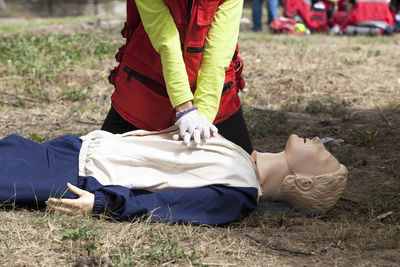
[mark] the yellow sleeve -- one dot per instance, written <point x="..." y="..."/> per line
<point x="219" y="48"/>
<point x="164" y="36"/>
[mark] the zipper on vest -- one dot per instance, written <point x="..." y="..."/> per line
<point x="146" y="81"/>
<point x="189" y="10"/>
<point x="227" y="86"/>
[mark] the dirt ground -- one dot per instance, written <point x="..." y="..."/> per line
<point x="346" y="88"/>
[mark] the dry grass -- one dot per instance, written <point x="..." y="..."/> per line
<point x="343" y="87"/>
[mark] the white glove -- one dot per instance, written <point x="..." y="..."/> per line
<point x="193" y="125"/>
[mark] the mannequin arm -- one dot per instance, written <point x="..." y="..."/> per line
<point x="207" y="205"/>
<point x="84" y="204"/>
<point x="211" y="205"/>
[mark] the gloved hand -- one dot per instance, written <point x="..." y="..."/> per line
<point x="193" y="125"/>
<point x="84" y="204"/>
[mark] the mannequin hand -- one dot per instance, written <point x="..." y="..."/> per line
<point x="194" y="126"/>
<point x="84" y="204"/>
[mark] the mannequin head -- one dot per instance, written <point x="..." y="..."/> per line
<point x="304" y="175"/>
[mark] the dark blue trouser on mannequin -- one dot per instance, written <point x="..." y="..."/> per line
<point x="30" y="173"/>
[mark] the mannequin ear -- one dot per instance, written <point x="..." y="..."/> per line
<point x="304" y="183"/>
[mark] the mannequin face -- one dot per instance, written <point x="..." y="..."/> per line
<point x="307" y="158"/>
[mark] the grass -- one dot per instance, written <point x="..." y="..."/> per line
<point x="2" y="240"/>
<point x="42" y="56"/>
<point x="264" y="122"/>
<point x="33" y="64"/>
<point x="332" y="106"/>
<point x="83" y="236"/>
<point x="18" y="25"/>
<point x="38" y="138"/>
<point x="167" y="250"/>
<point x="73" y="94"/>
<point x="376" y="203"/>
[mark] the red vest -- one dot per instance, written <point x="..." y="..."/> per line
<point x="140" y="95"/>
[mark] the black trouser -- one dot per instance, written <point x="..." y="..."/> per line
<point x="234" y="129"/>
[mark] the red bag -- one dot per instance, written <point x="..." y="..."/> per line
<point x="312" y="15"/>
<point x="283" y="25"/>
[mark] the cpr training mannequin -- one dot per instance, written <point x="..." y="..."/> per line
<point x="142" y="173"/>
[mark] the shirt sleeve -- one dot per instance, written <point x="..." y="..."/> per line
<point x="211" y="205"/>
<point x="219" y="48"/>
<point x="164" y="36"/>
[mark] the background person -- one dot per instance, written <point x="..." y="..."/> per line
<point x="395" y="10"/>
<point x="256" y="11"/>
<point x="368" y="15"/>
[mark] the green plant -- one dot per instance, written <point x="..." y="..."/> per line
<point x="7" y="248"/>
<point x="362" y="137"/>
<point x="38" y="138"/>
<point x="264" y="122"/>
<point x="123" y="258"/>
<point x="315" y="107"/>
<point x="42" y="95"/>
<point x="85" y="236"/>
<point x="352" y="62"/>
<point x="167" y="250"/>
<point x="374" y="53"/>
<point x="376" y="204"/>
<point x="333" y="106"/>
<point x="73" y="94"/>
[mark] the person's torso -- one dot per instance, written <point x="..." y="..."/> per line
<point x="140" y="95"/>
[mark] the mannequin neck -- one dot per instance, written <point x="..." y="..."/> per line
<point x="271" y="168"/>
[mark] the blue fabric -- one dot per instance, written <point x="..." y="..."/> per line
<point x="212" y="205"/>
<point x="272" y="10"/>
<point x="30" y="173"/>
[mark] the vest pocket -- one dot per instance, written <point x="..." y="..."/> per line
<point x="141" y="101"/>
<point x="146" y="81"/>
<point x="206" y="11"/>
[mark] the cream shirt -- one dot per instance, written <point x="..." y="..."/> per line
<point x="145" y="160"/>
